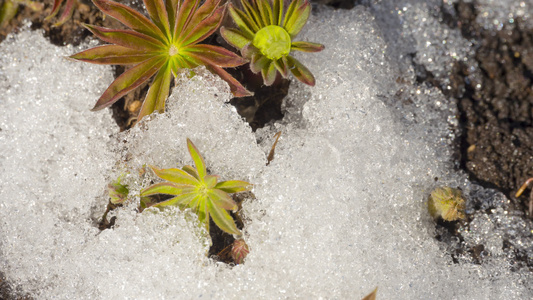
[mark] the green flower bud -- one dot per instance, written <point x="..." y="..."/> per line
<point x="273" y="41"/>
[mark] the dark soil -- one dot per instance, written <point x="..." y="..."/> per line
<point x="496" y="105"/>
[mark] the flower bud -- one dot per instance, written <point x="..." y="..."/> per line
<point x="447" y="204"/>
<point x="239" y="251"/>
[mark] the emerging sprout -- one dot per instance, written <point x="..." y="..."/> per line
<point x="447" y="204"/>
<point x="239" y="251"/>
<point x="266" y="36"/>
<point x="160" y="47"/>
<point x="195" y="189"/>
<point x="118" y="192"/>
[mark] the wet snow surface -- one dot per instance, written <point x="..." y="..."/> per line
<point x="339" y="211"/>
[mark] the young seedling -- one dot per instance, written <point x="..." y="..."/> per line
<point x="522" y="189"/>
<point x="266" y="36"/>
<point x="160" y="47"/>
<point x="67" y="11"/>
<point x="446" y="203"/>
<point x="118" y="193"/>
<point x="195" y="189"/>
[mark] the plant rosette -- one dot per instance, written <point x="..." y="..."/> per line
<point x="265" y="36"/>
<point x="195" y="189"/>
<point x="160" y="46"/>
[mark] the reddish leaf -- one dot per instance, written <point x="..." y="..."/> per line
<point x="307" y="46"/>
<point x="157" y="94"/>
<point x="184" y="17"/>
<point x="67" y="12"/>
<point x="300" y="71"/>
<point x="131" y="18"/>
<point x="158" y="13"/>
<point x="128" y="81"/>
<point x="201" y="14"/>
<point x="215" y="55"/>
<point x="204" y="29"/>
<point x="235" y="86"/>
<point x="112" y="55"/>
<point x="126" y="38"/>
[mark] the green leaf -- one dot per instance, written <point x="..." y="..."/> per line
<point x="244" y="22"/>
<point x="265" y="10"/>
<point x="204" y="29"/>
<point x="131" y="18"/>
<point x="184" y="17"/>
<point x="157" y="94"/>
<point x="222" y="199"/>
<point x="158" y="13"/>
<point x="128" y="81"/>
<point x="259" y="62"/>
<point x="191" y="171"/>
<point x="112" y="55"/>
<point x="222" y="218"/>
<point x="182" y="200"/>
<point x="269" y="74"/>
<point x="126" y="38"/>
<point x="281" y="66"/>
<point x="166" y="188"/>
<point x="197" y="158"/>
<point x="214" y="55"/>
<point x="195" y="203"/>
<point x="175" y="175"/>
<point x="278" y="12"/>
<point x="307" y="46"/>
<point x="252" y="12"/>
<point x="172" y="11"/>
<point x="298" y="19"/>
<point x="234" y="37"/>
<point x="300" y="71"/>
<point x="233" y="186"/>
<point x="288" y="13"/>
<point x="235" y="86"/>
<point x="203" y="212"/>
<point x="210" y="181"/>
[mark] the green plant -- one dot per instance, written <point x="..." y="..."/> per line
<point x="118" y="192"/>
<point x="195" y="189"/>
<point x="265" y="36"/>
<point x="446" y="203"/>
<point x="67" y="11"/>
<point x="161" y="47"/>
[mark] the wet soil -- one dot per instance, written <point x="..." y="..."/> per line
<point x="496" y="105"/>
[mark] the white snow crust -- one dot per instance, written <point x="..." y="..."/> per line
<point x="339" y="211"/>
